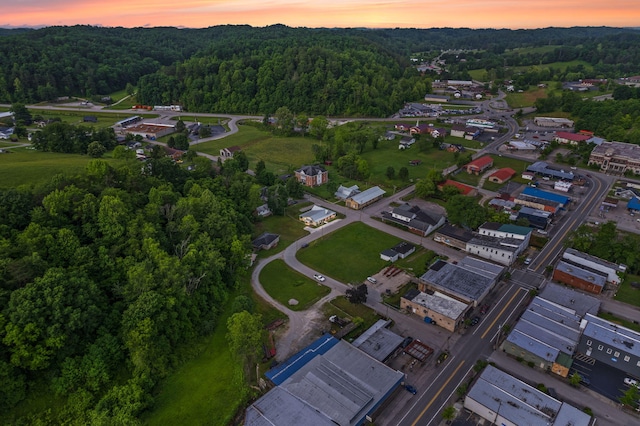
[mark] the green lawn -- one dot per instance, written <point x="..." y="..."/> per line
<point x="349" y="254"/>
<point x="207" y="388"/>
<point x="105" y="119"/>
<point x="622" y="322"/>
<point x="283" y="283"/>
<point x="27" y="167"/>
<point x="628" y="294"/>
<point x="418" y="263"/>
<point x="288" y="227"/>
<point x="464" y="142"/>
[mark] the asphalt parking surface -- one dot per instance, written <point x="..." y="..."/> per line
<point x="605" y="380"/>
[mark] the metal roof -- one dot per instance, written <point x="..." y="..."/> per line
<point x="567" y="297"/>
<point x="378" y="341"/>
<point x="535" y="192"/>
<point x="441" y="303"/>
<point x="520" y="403"/>
<point x="458" y="280"/>
<point x="368" y="195"/>
<point x="585" y="274"/>
<point x="283" y="371"/>
<point x="612" y="334"/>
<point x="267" y="411"/>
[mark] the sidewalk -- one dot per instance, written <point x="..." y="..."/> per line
<point x="606" y="412"/>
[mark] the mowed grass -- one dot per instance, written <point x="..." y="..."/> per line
<point x="30" y="167"/>
<point x="628" y="294"/>
<point x="288" y="227"/>
<point x="208" y="389"/>
<point x="349" y="254"/>
<point x="526" y="98"/>
<point x="283" y="283"/>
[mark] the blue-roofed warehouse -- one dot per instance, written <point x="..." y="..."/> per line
<point x="283" y="371"/>
<point x="535" y="192"/>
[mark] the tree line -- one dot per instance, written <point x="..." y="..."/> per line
<point x="105" y="274"/>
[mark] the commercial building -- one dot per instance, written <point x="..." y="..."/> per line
<point x="453" y="236"/>
<point x="542" y="168"/>
<point x="151" y="131"/>
<point x="607" y="268"/>
<point x="468" y="281"/>
<point x="563" y="200"/>
<point x="611" y="344"/>
<point x="504" y="400"/>
<point x="579" y="276"/>
<point x="538" y="203"/>
<point x="505" y="230"/>
<point x="329" y="383"/>
<point x="365" y="198"/>
<point x="547" y="335"/>
<point x="378" y="341"/>
<point x="553" y="122"/>
<point x="571" y="138"/>
<point x="435" y="307"/>
<point x="500" y="250"/>
<point x="616" y="157"/>
<point x="537" y="218"/>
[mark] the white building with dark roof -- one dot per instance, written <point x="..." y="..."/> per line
<point x="500" y="250"/>
<point x="504" y="400"/>
<point x="610" y="269"/>
<point x="416" y="220"/>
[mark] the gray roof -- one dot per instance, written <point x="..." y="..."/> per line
<point x="590" y="258"/>
<point x="265" y="239"/>
<point x="389" y="252"/>
<point x="345" y="384"/>
<point x="344" y="192"/>
<point x="440" y="303"/>
<point x="368" y="195"/>
<point x="570" y="298"/>
<point x="482" y="267"/>
<point x="505" y="244"/>
<point x="267" y="411"/>
<point x="417" y="215"/>
<point x="543" y="167"/>
<point x="311" y="170"/>
<point x="583" y="273"/>
<point x="457" y="279"/>
<point x="520" y="403"/>
<point x="615" y="149"/>
<point x="535" y="212"/>
<point x="403" y="247"/>
<point x="546" y="329"/>
<point x="612" y="334"/>
<point x="378" y="341"/>
<point x="317" y="213"/>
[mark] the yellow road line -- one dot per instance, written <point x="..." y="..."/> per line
<point x="501" y="312"/>
<point x="437" y="394"/>
<point x="542" y="261"/>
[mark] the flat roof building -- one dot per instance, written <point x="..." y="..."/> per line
<point x="378" y="341"/>
<point x="579" y="276"/>
<point x="545" y="195"/>
<point x="504" y="400"/>
<point x="439" y="308"/>
<point x="468" y="284"/>
<point x="570" y="298"/>
<point x="542" y="168"/>
<point x="610" y="269"/>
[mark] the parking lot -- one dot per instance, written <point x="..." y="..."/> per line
<point x="605" y="380"/>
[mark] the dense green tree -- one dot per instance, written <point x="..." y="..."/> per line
<point x="403" y="174"/>
<point x="245" y="334"/>
<point x="21" y="114"/>
<point x="95" y="149"/>
<point x="465" y="211"/>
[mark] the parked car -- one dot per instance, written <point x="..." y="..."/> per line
<point x="527" y="261"/>
<point x="372" y="280"/>
<point x="406" y="342"/>
<point x="485" y="308"/>
<point x="631" y="382"/>
<point x="319" y="277"/>
<point x="475" y="320"/>
<point x="411" y="389"/>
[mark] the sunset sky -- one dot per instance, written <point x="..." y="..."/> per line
<point x="323" y="13"/>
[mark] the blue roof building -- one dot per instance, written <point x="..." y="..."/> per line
<point x="634" y="204"/>
<point x="535" y="192"/>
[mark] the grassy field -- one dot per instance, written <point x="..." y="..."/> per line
<point x="343" y="308"/>
<point x="206" y="389"/>
<point x="288" y="227"/>
<point x="28" y="167"/>
<point x="351" y="253"/>
<point x="622" y="322"/>
<point x="498" y="162"/>
<point x="628" y="294"/>
<point x="283" y="155"/>
<point x="283" y="283"/>
<point x="464" y="142"/>
<point x="418" y="263"/>
<point x="526" y="98"/>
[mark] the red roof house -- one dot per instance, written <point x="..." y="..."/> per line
<point x="502" y="175"/>
<point x="479" y="165"/>
<point x="464" y="189"/>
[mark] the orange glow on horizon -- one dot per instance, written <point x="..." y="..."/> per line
<point x="330" y="13"/>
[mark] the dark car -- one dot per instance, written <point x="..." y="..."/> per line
<point x="552" y="393"/>
<point x="475" y="320"/>
<point x="484" y="309"/>
<point x="411" y="389"/>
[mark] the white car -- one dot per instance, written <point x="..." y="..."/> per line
<point x="319" y="277"/>
<point x="372" y="280"/>
<point x="631" y="382"/>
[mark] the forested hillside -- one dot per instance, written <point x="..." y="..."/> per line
<point x="102" y="276"/>
<point x="257" y="70"/>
